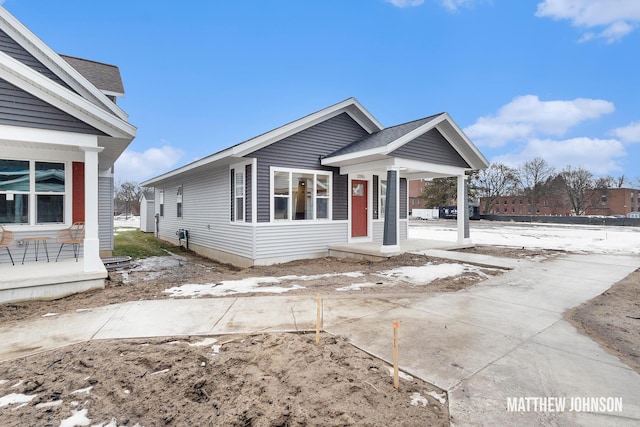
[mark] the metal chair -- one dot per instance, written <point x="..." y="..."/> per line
<point x="73" y="235"/>
<point x="6" y="241"/>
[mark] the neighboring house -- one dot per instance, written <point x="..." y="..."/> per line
<point x="147" y="213"/>
<point x="60" y="134"/>
<point x="334" y="177"/>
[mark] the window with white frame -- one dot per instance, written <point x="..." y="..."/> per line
<point x="179" y="202"/>
<point x="161" y="197"/>
<point x="32" y="192"/>
<point x="382" y="198"/>
<point x="239" y="195"/>
<point x="301" y="195"/>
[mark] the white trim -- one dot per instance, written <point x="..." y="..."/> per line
<point x="350" y="106"/>
<point x="36" y="84"/>
<point x="43" y="53"/>
<point x="291" y="171"/>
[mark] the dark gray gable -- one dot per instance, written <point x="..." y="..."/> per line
<point x="431" y="147"/>
<point x="382" y="138"/>
<point x="20" y="108"/>
<point x="304" y="151"/>
<point x="17" y="52"/>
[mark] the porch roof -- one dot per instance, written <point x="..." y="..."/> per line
<point x="376" y="150"/>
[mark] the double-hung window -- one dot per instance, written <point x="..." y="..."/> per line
<point x="32" y="192"/>
<point x="179" y="202"/>
<point x="300" y="195"/>
<point x="239" y="195"/>
<point x="382" y="198"/>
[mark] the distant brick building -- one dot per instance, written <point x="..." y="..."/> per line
<point x="416" y="188"/>
<point x="605" y="202"/>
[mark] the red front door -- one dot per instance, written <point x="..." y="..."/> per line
<point x="358" y="208"/>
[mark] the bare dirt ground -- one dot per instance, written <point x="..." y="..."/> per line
<point x="612" y="319"/>
<point x="244" y="380"/>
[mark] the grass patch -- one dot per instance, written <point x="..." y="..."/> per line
<point x="137" y="244"/>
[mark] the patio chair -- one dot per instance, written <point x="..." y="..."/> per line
<point x="73" y="235"/>
<point x="6" y="241"/>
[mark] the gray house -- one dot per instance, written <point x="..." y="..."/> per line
<point x="334" y="178"/>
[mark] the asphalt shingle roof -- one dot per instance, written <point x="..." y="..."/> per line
<point x="105" y="77"/>
<point x="383" y="137"/>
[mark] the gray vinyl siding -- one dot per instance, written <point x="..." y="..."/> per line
<point x="205" y="213"/>
<point x="304" y="151"/>
<point x="431" y="147"/>
<point x="298" y="241"/>
<point x="17" y="52"/>
<point x="404" y="201"/>
<point x="105" y="213"/>
<point x="20" y="108"/>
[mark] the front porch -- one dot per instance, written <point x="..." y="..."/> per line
<point x="372" y="251"/>
<point x="46" y="280"/>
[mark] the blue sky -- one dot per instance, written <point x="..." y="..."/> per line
<point x="556" y="79"/>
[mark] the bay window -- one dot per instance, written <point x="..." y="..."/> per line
<point x="32" y="192"/>
<point x="301" y="195"/>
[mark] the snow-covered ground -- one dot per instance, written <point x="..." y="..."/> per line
<point x="574" y="238"/>
<point x="121" y="222"/>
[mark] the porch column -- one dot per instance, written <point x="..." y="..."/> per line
<point x="391" y="238"/>
<point x="463" y="210"/>
<point x="91" y="247"/>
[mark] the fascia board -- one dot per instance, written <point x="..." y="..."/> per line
<point x="352" y="157"/>
<point x="43" y="53"/>
<point x="40" y="86"/>
<point x="445" y="170"/>
<point x="480" y="158"/>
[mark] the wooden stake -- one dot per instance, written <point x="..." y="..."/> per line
<point x="396" y="374"/>
<point x="318" y="319"/>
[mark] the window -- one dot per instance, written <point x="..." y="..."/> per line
<point x="179" y="202"/>
<point x="603" y="200"/>
<point x="239" y="196"/>
<point x="32" y="191"/>
<point x="161" y="202"/>
<point x="301" y="195"/>
<point x="382" y="198"/>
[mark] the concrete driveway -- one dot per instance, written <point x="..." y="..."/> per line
<point x="500" y="348"/>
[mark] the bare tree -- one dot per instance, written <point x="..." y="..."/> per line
<point x="533" y="176"/>
<point x="440" y="192"/>
<point x="497" y="180"/>
<point x="578" y="182"/>
<point x="127" y="197"/>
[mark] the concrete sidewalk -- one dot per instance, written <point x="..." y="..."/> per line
<point x="504" y="338"/>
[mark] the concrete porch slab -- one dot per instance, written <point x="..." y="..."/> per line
<point x="372" y="250"/>
<point x="46" y="280"/>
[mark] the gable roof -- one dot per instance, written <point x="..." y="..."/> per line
<point x="105" y="77"/>
<point x="71" y="77"/>
<point x="380" y="145"/>
<point x="62" y="86"/>
<point x="350" y="106"/>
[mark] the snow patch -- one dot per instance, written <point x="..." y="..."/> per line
<point x="49" y="314"/>
<point x="417" y="399"/>
<point x="164" y="371"/>
<point x="230" y="287"/>
<point x="45" y="405"/>
<point x="204" y="343"/>
<point x="401" y="374"/>
<point x="429" y="272"/>
<point x="77" y="418"/>
<point x="356" y="287"/>
<point x="82" y="390"/>
<point x="442" y="398"/>
<point x="13" y="398"/>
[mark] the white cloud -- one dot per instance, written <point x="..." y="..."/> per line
<point x="629" y="133"/>
<point x="136" y="166"/>
<point x="599" y="156"/>
<point x="454" y="5"/>
<point x="405" y="3"/>
<point x="618" y="17"/>
<point x="527" y="117"/>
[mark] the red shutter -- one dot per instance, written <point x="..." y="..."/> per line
<point x="78" y="192"/>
